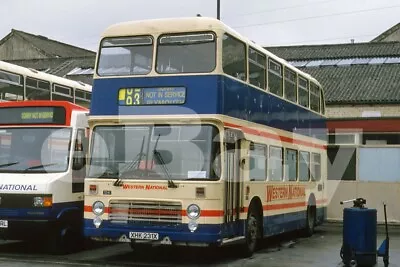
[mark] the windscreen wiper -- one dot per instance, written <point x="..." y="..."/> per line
<point x="161" y="162"/>
<point x="108" y="173"/>
<point x="9" y="164"/>
<point x="133" y="164"/>
<point x="39" y="166"/>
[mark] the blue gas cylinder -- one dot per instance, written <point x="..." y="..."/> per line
<point x="359" y="234"/>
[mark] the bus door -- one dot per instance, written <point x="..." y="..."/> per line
<point x="233" y="181"/>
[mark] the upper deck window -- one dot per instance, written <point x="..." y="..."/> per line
<point x="315" y="97"/>
<point x="125" y="56"/>
<point x="234" y="57"/>
<point x="275" y="78"/>
<point x="186" y="53"/>
<point x="11" y="86"/>
<point x="257" y="68"/>
<point x="303" y="92"/>
<point x="37" y="89"/>
<point x="290" y="85"/>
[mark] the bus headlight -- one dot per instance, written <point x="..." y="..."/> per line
<point x="98" y="208"/>
<point x="97" y="222"/>
<point x="193" y="211"/>
<point x="192" y="225"/>
<point x="42" y="202"/>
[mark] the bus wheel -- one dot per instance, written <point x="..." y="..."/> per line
<point x="252" y="233"/>
<point x="310" y="221"/>
<point x="65" y="239"/>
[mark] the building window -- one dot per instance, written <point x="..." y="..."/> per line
<point x="342" y="163"/>
<point x="379" y="164"/>
<point x="381" y="139"/>
<point x="342" y="139"/>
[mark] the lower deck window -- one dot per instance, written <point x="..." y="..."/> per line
<point x="275" y="163"/>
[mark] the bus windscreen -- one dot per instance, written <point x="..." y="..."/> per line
<point x="32" y="115"/>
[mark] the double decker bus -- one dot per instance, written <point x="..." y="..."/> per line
<point x="19" y="83"/>
<point x="200" y="137"/>
<point x="42" y="170"/>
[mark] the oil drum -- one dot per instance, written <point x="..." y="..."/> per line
<point x="359" y="235"/>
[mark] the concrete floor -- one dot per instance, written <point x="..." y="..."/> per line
<point x="290" y="250"/>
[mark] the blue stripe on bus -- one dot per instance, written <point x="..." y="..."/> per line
<point x="40" y="213"/>
<point x="210" y="94"/>
<point x="207" y="233"/>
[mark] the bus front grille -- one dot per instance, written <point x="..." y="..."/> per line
<point x="145" y="212"/>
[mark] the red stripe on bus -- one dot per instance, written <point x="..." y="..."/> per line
<point x="280" y="206"/>
<point x="215" y="213"/>
<point x="204" y="213"/>
<point x="273" y="136"/>
<point x="211" y="213"/>
<point x="90" y="209"/>
<point x="284" y="206"/>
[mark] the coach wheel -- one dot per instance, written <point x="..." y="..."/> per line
<point x="58" y="240"/>
<point x="65" y="239"/>
<point x="310" y="221"/>
<point x="252" y="233"/>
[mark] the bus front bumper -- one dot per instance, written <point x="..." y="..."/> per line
<point x="25" y="229"/>
<point x="204" y="235"/>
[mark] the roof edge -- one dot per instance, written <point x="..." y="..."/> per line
<point x="21" y="33"/>
<point x="328" y="45"/>
<point x="362" y="102"/>
<point x="386" y="33"/>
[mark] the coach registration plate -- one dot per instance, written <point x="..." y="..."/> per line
<point x="143" y="236"/>
<point x="3" y="224"/>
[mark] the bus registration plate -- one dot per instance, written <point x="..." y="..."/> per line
<point x="143" y="236"/>
<point x="3" y="224"/>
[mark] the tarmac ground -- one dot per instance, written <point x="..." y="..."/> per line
<point x="288" y="250"/>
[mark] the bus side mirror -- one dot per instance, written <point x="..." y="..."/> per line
<point x="79" y="156"/>
<point x="78" y="160"/>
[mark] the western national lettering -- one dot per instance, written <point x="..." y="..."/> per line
<point x="285" y="192"/>
<point x="18" y="187"/>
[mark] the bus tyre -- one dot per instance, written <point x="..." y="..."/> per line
<point x="65" y="239"/>
<point x="252" y="233"/>
<point x="310" y="221"/>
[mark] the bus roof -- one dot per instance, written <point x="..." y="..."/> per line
<point x="187" y="24"/>
<point x="43" y="76"/>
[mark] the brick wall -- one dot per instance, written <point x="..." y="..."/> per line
<point x="357" y="111"/>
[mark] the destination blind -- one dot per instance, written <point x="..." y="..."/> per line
<point x="152" y="96"/>
<point x="32" y="115"/>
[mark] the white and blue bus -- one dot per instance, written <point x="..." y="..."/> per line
<point x="43" y="144"/>
<point x="200" y="137"/>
